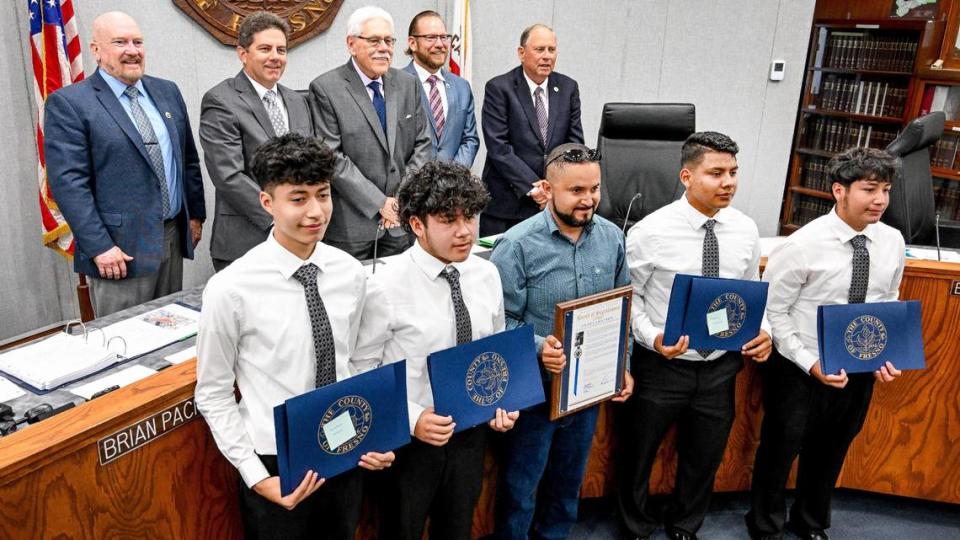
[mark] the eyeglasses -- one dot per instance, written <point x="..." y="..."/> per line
<point x="576" y="155"/>
<point x="432" y="38"/>
<point x="375" y="41"/>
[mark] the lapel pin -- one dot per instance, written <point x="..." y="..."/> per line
<point x="167" y="114"/>
<point x="408" y="116"/>
<point x="555" y="89"/>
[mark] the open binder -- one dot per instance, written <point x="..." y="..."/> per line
<point x="48" y="364"/>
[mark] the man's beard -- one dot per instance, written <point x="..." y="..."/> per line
<point x="570" y="221"/>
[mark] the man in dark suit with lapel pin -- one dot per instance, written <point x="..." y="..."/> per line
<point x="124" y="170"/>
<point x="371" y="116"/>
<point x="447" y="98"/>
<point x="527" y="112"/>
<point x="236" y="117"/>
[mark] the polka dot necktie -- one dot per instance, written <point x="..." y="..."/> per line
<point x="320" y="326"/>
<point x="711" y="262"/>
<point x="861" y="270"/>
<point x="464" y="329"/>
<point x="271" y="100"/>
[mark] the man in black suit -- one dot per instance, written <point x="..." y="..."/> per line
<point x="236" y="117"/>
<point x="526" y="113"/>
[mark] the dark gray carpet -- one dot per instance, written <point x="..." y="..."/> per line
<point x="856" y="515"/>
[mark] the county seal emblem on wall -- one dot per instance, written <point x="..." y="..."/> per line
<point x="487" y="378"/>
<point x="865" y="337"/>
<point x="222" y="18"/>
<point x="361" y="416"/>
<point x="736" y="312"/>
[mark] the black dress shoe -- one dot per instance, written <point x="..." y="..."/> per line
<point x="808" y="534"/>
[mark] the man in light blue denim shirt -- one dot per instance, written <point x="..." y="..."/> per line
<point x="563" y="253"/>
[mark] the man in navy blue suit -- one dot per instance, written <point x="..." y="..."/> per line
<point x="123" y="167"/>
<point x="447" y="98"/>
<point x="527" y="112"/>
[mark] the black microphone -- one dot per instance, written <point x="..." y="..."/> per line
<point x="936" y="230"/>
<point x="629" y="207"/>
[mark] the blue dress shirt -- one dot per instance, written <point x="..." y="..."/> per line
<point x="163" y="136"/>
<point x="539" y="267"/>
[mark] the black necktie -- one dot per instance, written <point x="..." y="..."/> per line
<point x="464" y="329"/>
<point x="320" y="326"/>
<point x="711" y="262"/>
<point x="860" y="276"/>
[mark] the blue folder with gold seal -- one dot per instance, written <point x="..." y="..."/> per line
<point x="717" y="313"/>
<point x="471" y="381"/>
<point x="859" y="338"/>
<point x="327" y="430"/>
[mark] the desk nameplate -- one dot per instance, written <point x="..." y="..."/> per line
<point x="134" y="436"/>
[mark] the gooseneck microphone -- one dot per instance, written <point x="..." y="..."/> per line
<point x="626" y="218"/>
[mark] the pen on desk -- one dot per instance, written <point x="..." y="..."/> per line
<point x="106" y="390"/>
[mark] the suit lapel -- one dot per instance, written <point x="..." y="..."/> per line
<point x="359" y="93"/>
<point x="523" y="95"/>
<point x="115" y="109"/>
<point x="393" y="102"/>
<point x="554" y="100"/>
<point x="298" y="116"/>
<point x="425" y="103"/>
<point x="249" y="96"/>
<point x="453" y="102"/>
<point x="164" y="107"/>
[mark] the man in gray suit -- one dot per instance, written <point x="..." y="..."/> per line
<point x="236" y="117"/>
<point x="370" y="115"/>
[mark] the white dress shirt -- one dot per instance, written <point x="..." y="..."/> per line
<point x="255" y="330"/>
<point x="546" y="92"/>
<point x="670" y="241"/>
<point x="367" y="80"/>
<point x="409" y="314"/>
<point x="423" y="74"/>
<point x="261" y="90"/>
<point x="813" y="268"/>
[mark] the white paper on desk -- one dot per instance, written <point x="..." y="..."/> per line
<point x="930" y="254"/>
<point x="121" y="378"/>
<point x="154" y="329"/>
<point x="9" y="391"/>
<point x="182" y="356"/>
<point x="57" y="360"/>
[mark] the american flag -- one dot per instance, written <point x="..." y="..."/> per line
<point x="55" y="46"/>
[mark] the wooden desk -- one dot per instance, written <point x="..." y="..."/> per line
<point x="179" y="486"/>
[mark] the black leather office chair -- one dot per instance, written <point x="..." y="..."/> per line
<point x="912" y="209"/>
<point x="640" y="153"/>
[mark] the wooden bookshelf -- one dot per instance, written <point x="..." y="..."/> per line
<point x="858" y="91"/>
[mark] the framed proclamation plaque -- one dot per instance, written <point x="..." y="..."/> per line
<point x="594" y="331"/>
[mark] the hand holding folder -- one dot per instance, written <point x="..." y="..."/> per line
<point x="862" y="338"/>
<point x="716" y="313"/>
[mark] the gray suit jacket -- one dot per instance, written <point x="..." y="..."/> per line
<point x="370" y="164"/>
<point x="233" y="124"/>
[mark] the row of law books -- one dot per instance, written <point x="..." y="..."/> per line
<point x="807" y="209"/>
<point x="64" y="358"/>
<point x="944" y="153"/>
<point x="872" y="98"/>
<point x="813" y="174"/>
<point x="836" y="135"/>
<point x="946" y="193"/>
<point x="861" y="50"/>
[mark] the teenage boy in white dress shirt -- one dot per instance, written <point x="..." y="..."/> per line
<point x="697" y="234"/>
<point x="806" y="411"/>
<point x="434" y="296"/>
<point x="261" y="329"/>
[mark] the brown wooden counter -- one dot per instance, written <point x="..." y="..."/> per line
<point x="179" y="486"/>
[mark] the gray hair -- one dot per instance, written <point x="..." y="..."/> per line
<point x="362" y="15"/>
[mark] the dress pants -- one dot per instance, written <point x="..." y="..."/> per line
<point x="697" y="396"/>
<point x="332" y="512"/>
<point x="439" y="482"/>
<point x="112" y="295"/>
<point x="496" y="225"/>
<point x="551" y="456"/>
<point x="802" y="415"/>
<point x="387" y="245"/>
